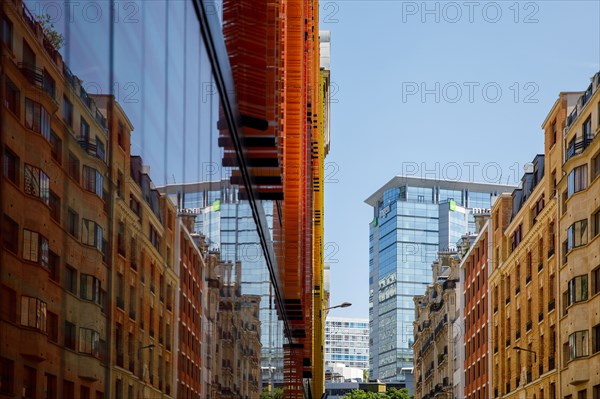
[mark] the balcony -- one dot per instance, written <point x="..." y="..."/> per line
<point x="36" y="77"/>
<point x="576" y="147"/>
<point x="87" y="145"/>
<point x="551" y="305"/>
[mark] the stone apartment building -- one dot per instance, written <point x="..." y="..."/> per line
<point x="435" y="313"/>
<point x="578" y="221"/>
<point x="55" y="274"/>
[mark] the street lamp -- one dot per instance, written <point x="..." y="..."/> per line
<point x="518" y="348"/>
<point x="341" y="305"/>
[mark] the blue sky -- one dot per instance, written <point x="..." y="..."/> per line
<point x="496" y="68"/>
<point x="456" y="89"/>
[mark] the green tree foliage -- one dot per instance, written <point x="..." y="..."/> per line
<point x="394" y="393"/>
<point x="391" y="393"/>
<point x="55" y="38"/>
<point x="276" y="394"/>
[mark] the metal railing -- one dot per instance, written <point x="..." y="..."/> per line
<point x="577" y="147"/>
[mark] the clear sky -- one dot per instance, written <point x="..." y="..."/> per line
<point x="459" y="89"/>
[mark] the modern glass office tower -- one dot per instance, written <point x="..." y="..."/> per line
<point x="347" y="341"/>
<point x="413" y="218"/>
<point x="227" y="223"/>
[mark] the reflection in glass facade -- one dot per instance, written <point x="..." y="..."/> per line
<point x="413" y="218"/>
<point x="229" y="228"/>
<point x="132" y="97"/>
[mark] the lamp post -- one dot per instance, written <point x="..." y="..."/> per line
<point x="518" y="348"/>
<point x="341" y="305"/>
<point x="326" y="310"/>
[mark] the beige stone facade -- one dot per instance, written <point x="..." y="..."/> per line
<point x="435" y="312"/>
<point x="579" y="262"/>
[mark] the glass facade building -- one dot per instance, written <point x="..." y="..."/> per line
<point x="413" y="218"/>
<point x="347" y="342"/>
<point x="228" y="226"/>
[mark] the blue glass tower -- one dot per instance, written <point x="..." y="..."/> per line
<point x="413" y="218"/>
<point x="228" y="226"/>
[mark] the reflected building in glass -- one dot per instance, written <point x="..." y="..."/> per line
<point x="227" y="224"/>
<point x="413" y="218"/>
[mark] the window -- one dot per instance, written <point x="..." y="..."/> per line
<point x="121" y="135"/>
<point x="134" y="204"/>
<point x="89" y="341"/>
<point x="37" y="118"/>
<point x="69" y="336"/>
<point x="154" y="237"/>
<point x="68" y="389"/>
<point x="29" y="382"/>
<point x="49" y="84"/>
<point x="596" y="223"/>
<point x="12" y="97"/>
<point x="71" y="279"/>
<point x="596" y="393"/>
<point x="91" y="233"/>
<point x="10" y="234"/>
<point x="74" y="167"/>
<point x="68" y="111"/>
<point x="8" y="304"/>
<point x="577" y="234"/>
<point x="52" y="326"/>
<point x="577" y="180"/>
<point x="121" y="239"/>
<point x="11" y="166"/>
<point x="100" y="150"/>
<point x="35" y="248"/>
<point x="84" y="130"/>
<point x="554" y="132"/>
<point x="7" y="32"/>
<point x="92" y="180"/>
<point x="90" y="288"/>
<point x="73" y="222"/>
<point x="51" y="386"/>
<point x="7" y="375"/>
<point x="596" y="165"/>
<point x="54" y="266"/>
<point x="84" y="392"/>
<point x="587" y="128"/>
<point x="54" y="203"/>
<point x="120" y="184"/>
<point x="596" y="280"/>
<point x="578" y="344"/>
<point x="56" y="144"/>
<point x="596" y="338"/>
<point x="36" y="183"/>
<point x="33" y="313"/>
